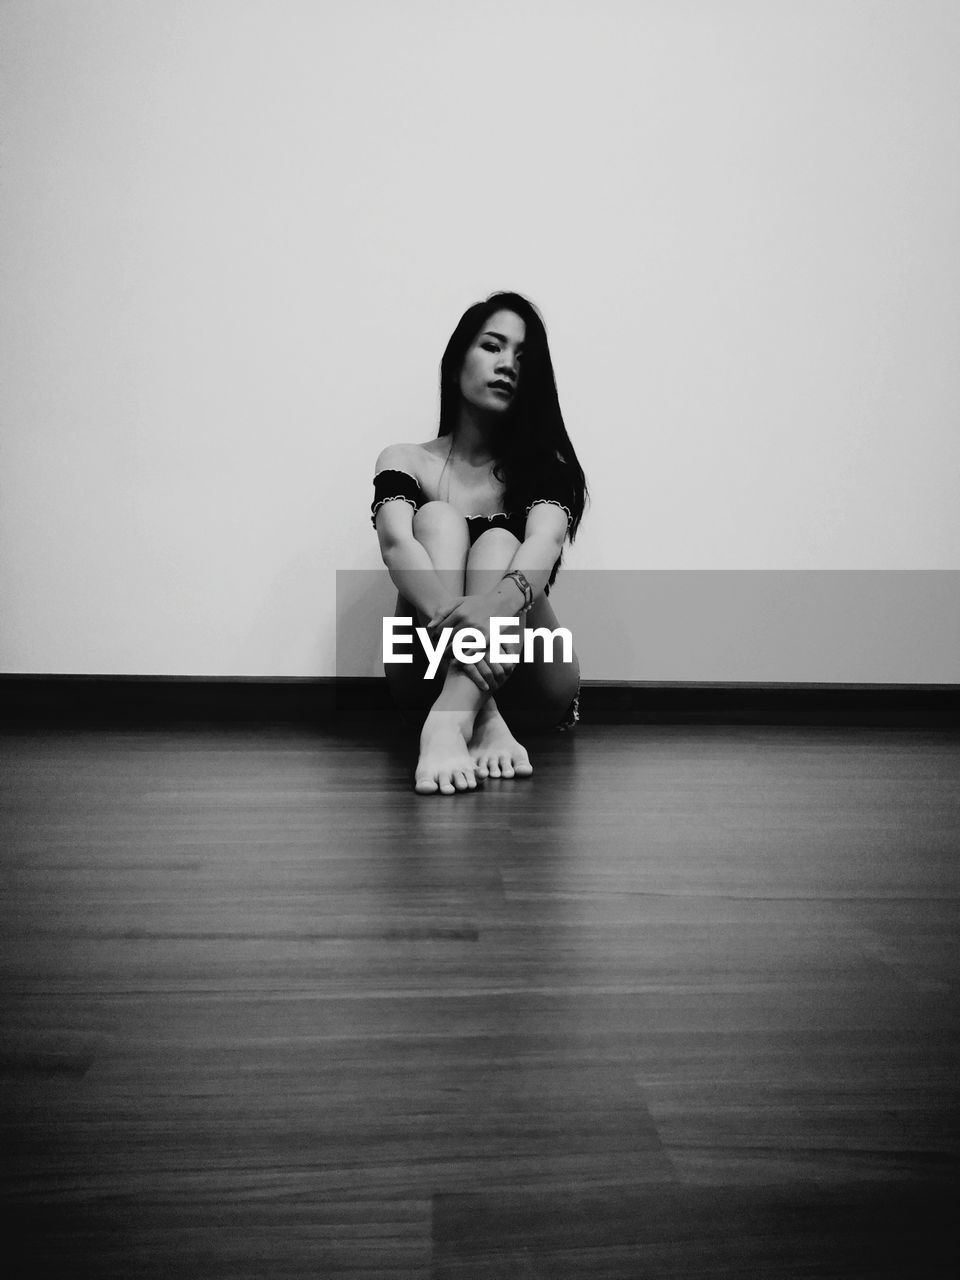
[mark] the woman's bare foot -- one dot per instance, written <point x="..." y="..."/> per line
<point x="445" y="765"/>
<point x="495" y="751"/>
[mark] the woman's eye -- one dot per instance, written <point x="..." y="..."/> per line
<point x="488" y="346"/>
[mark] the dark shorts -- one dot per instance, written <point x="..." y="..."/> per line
<point x="571" y="717"/>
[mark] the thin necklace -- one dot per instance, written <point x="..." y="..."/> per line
<point x="443" y="472"/>
<point x="445" y="497"/>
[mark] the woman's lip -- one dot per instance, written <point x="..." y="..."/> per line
<point x="507" y="391"/>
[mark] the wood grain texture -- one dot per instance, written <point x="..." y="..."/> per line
<point x="682" y="1004"/>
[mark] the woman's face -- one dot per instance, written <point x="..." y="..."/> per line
<point x="491" y="367"/>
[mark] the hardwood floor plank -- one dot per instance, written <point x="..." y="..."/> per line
<point x="684" y="1003"/>
<point x="732" y="1231"/>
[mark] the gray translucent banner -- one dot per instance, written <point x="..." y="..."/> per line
<point x="736" y="626"/>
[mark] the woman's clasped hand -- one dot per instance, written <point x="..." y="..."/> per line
<point x="475" y="613"/>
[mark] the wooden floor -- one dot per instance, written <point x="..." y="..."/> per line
<point x="684" y="1004"/>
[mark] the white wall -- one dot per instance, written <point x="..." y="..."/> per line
<point x="237" y="233"/>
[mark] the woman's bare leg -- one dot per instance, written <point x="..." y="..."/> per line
<point x="445" y="763"/>
<point x="537" y="694"/>
<point x="495" y="751"/>
<point x="442" y="532"/>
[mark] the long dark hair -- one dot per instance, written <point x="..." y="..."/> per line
<point x="531" y="442"/>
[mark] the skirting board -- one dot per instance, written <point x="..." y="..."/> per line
<point x="124" y="700"/>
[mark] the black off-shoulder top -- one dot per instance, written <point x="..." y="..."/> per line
<point x="400" y="486"/>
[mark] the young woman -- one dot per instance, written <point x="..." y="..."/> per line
<point x="472" y="527"/>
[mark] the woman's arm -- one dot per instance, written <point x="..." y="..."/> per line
<point x="540" y="550"/>
<point x="407" y="560"/>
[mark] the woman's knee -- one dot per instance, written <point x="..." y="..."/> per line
<point x="443" y="532"/>
<point x="492" y="547"/>
<point x="489" y="557"/>
<point x="439" y="520"/>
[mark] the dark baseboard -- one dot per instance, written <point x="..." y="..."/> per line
<point x="127" y="700"/>
<point x="877" y="706"/>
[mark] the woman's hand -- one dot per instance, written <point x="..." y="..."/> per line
<point x="469" y="611"/>
<point x="475" y="611"/>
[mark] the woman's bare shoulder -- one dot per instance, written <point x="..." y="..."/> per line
<point x="412" y="458"/>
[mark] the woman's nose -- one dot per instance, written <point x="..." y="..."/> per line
<point x="507" y="364"/>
